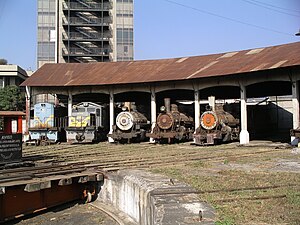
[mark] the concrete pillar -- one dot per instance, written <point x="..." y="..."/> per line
<point x="295" y="102"/>
<point x="197" y="109"/>
<point x="153" y="111"/>
<point x="28" y="98"/>
<point x="70" y="107"/>
<point x="70" y="104"/>
<point x="111" y="114"/>
<point x="244" y="135"/>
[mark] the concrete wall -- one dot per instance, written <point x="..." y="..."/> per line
<point x="154" y="199"/>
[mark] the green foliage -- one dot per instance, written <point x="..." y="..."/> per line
<point x="3" y="62"/>
<point x="226" y="221"/>
<point x="12" y="99"/>
<point x="226" y="161"/>
<point x="293" y="197"/>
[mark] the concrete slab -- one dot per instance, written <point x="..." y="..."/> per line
<point x="151" y="199"/>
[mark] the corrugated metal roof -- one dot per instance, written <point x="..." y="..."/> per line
<point x="107" y="73"/>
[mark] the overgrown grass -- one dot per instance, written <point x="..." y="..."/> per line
<point x="242" y="197"/>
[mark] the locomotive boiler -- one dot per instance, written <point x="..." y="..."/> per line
<point x="216" y="126"/>
<point x="172" y="125"/>
<point x="87" y="123"/>
<point x="48" y="124"/>
<point x="131" y="125"/>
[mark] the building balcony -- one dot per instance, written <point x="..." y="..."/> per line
<point x="94" y="51"/>
<point x="85" y="21"/>
<point x="87" y="6"/>
<point x="87" y="36"/>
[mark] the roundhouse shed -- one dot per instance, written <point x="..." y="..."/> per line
<point x="263" y="82"/>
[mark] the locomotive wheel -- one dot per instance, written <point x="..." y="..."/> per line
<point x="44" y="142"/>
<point x="181" y="133"/>
<point x="142" y="135"/>
<point x="37" y="142"/>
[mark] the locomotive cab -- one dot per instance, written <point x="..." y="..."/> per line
<point x="86" y="123"/>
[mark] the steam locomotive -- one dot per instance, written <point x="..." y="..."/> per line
<point x="87" y="123"/>
<point x="217" y="126"/>
<point x="131" y="125"/>
<point x="48" y="124"/>
<point x="172" y="125"/>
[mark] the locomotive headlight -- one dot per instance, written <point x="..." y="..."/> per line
<point x="162" y="108"/>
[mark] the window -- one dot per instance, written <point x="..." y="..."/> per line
<point x="78" y="110"/>
<point x="46" y="50"/>
<point x="91" y="110"/>
<point x="125" y="50"/>
<point x="6" y="81"/>
<point x="124" y="35"/>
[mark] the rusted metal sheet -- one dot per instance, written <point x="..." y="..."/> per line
<point x="28" y="190"/>
<point x="17" y="202"/>
<point x="108" y="73"/>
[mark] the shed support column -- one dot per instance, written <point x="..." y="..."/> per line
<point x="70" y="103"/>
<point x="153" y="112"/>
<point x="244" y="135"/>
<point x="28" y="98"/>
<point x="197" y="109"/>
<point x="111" y="115"/>
<point x="295" y="102"/>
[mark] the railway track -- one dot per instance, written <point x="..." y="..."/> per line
<point x="76" y="162"/>
<point x="107" y="156"/>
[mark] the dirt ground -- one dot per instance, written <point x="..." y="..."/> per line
<point x="254" y="184"/>
<point x="68" y="214"/>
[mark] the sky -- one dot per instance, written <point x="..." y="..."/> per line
<point x="170" y="28"/>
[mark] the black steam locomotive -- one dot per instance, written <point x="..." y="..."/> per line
<point x="131" y="125"/>
<point x="217" y="126"/>
<point x="172" y="125"/>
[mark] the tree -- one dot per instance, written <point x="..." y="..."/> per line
<point x="12" y="99"/>
<point x="3" y="62"/>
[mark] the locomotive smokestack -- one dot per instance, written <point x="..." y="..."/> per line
<point x="128" y="105"/>
<point x="212" y="102"/>
<point x="167" y="104"/>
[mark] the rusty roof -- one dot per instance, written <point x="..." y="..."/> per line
<point x="12" y="113"/>
<point x="108" y="73"/>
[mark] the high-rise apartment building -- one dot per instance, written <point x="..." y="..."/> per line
<point x="84" y="31"/>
